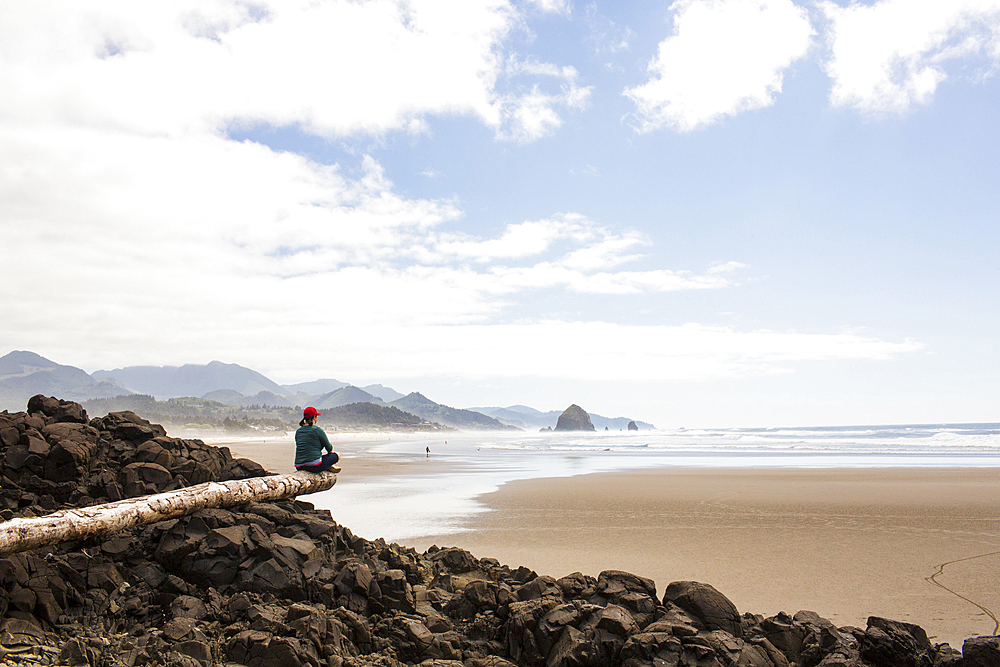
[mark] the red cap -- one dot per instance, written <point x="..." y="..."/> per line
<point x="310" y="412"/>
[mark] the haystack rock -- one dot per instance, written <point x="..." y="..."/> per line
<point x="632" y="426"/>
<point x="574" y="418"/>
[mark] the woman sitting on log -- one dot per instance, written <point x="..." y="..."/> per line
<point x="310" y="443"/>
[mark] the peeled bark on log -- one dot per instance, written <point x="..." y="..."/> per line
<point x="23" y="534"/>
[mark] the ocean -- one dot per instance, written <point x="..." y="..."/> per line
<point x="461" y="466"/>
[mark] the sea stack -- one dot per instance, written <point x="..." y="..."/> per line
<point x="574" y="418"/>
<point x="632" y="426"/>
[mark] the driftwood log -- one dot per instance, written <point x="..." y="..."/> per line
<point x="23" y="534"/>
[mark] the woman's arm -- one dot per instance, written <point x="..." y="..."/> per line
<point x="323" y="439"/>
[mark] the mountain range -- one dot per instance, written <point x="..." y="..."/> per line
<point x="528" y="418"/>
<point x="24" y="374"/>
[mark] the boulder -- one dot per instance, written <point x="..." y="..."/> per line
<point x="576" y="585"/>
<point x="454" y="561"/>
<point x="552" y="626"/>
<point x="522" y="622"/>
<point x="477" y="597"/>
<point x="188" y="606"/>
<point x="806" y="639"/>
<point x="355" y="577"/>
<point x="539" y="587"/>
<point x="729" y="650"/>
<point x="151" y="473"/>
<point x="275" y="578"/>
<point x="57" y="410"/>
<point x="77" y="651"/>
<point x="151" y="452"/>
<point x="632" y="426"/>
<point x="888" y="643"/>
<point x="573" y="648"/>
<point x="632" y="592"/>
<point x="251" y="647"/>
<point x="706" y="604"/>
<point x="652" y="649"/>
<point x="128" y="426"/>
<point x="673" y="620"/>
<point x="73" y="444"/>
<point x="981" y="652"/>
<point x="242" y="469"/>
<point x="9" y="435"/>
<point x="617" y="620"/>
<point x="198" y="650"/>
<point x="574" y="418"/>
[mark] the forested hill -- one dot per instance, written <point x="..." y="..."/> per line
<point x="203" y="414"/>
<point x="361" y="415"/>
<point x="422" y="406"/>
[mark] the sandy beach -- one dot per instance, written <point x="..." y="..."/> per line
<point x="846" y="543"/>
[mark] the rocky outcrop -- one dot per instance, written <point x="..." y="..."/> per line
<point x="574" y="418"/>
<point x="713" y="608"/>
<point x="281" y="584"/>
<point x="632" y="426"/>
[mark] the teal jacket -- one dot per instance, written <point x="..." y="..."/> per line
<point x="310" y="441"/>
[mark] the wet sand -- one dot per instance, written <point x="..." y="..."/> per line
<point x="844" y="543"/>
<point x="916" y="545"/>
<point x="277" y="454"/>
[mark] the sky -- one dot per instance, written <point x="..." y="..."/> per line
<point x="695" y="213"/>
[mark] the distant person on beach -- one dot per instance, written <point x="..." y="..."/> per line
<point x="310" y="444"/>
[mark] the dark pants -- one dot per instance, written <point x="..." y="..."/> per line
<point x="328" y="461"/>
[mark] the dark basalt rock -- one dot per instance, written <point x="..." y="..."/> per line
<point x="804" y="639"/>
<point x="632" y="426"/>
<point x="629" y="591"/>
<point x="888" y="643"/>
<point x="981" y="652"/>
<point x="706" y="604"/>
<point x="282" y="584"/>
<point x="57" y="410"/>
<point x="574" y="418"/>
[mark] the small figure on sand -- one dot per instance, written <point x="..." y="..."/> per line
<point x="310" y="444"/>
<point x="428" y="450"/>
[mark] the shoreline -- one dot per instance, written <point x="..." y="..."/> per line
<point x="845" y="543"/>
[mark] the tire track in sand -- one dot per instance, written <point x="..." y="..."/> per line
<point x="940" y="571"/>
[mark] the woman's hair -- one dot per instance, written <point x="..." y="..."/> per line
<point x="307" y="421"/>
<point x="302" y="422"/>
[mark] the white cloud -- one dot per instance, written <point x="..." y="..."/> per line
<point x="523" y="239"/>
<point x="532" y="115"/>
<point x="726" y="267"/>
<point x="605" y="36"/>
<point x="567" y="251"/>
<point x="334" y="68"/>
<point x="553" y="6"/>
<point x="893" y="54"/>
<point x="134" y="231"/>
<point x="592" y="351"/>
<point x="162" y="250"/>
<point x="556" y="274"/>
<point x="724" y="57"/>
<point x="236" y="233"/>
